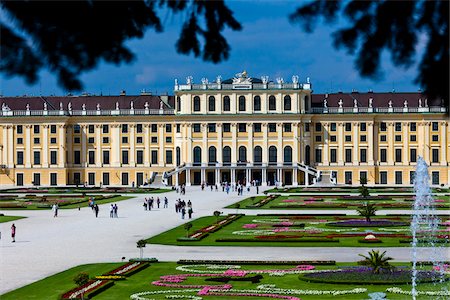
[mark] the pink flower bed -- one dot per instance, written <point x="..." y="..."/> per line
<point x="249" y="226"/>
<point x="238" y="273"/>
<point x="445" y="268"/>
<point x="289" y="200"/>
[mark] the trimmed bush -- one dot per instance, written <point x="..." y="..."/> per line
<point x="371" y="241"/>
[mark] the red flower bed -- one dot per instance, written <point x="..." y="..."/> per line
<point x="88" y="289"/>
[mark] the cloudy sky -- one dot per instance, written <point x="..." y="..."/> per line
<point x="267" y="45"/>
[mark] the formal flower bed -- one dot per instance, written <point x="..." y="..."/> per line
<point x="397" y="290"/>
<point x="203" y="232"/>
<point x="255" y="262"/>
<point x="129" y="268"/>
<point x="91" y="288"/>
<point x="263" y="201"/>
<point x="363" y="223"/>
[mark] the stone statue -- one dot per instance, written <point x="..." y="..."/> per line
<point x="355" y="103"/>
<point x="390" y="103"/>
<point x="205" y="80"/>
<point x="280" y="80"/>
<point x="83" y="107"/>
<point x="61" y="106"/>
<point x="146" y="105"/>
<point x="340" y="103"/>
<point x="98" y="106"/>
<point x="325" y="103"/>
<point x="117" y="105"/>
<point x="69" y="106"/>
<point x="307" y="80"/>
<point x="294" y="78"/>
<point x="426" y="102"/>
<point x="370" y="102"/>
<point x="405" y="103"/>
<point x="45" y="105"/>
<point x="161" y="105"/>
<point x="28" y="106"/>
<point x="219" y="79"/>
<point x="265" y="79"/>
<point x="176" y="81"/>
<point x="420" y="102"/>
<point x="131" y="105"/>
<point x="189" y="80"/>
<point x="242" y="78"/>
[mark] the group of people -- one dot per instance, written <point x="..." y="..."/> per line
<point x="148" y="203"/>
<point x="182" y="207"/>
<point x="113" y="211"/>
<point x="181" y="189"/>
<point x="238" y="186"/>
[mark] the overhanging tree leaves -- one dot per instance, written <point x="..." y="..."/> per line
<point x="396" y="26"/>
<point x="69" y="38"/>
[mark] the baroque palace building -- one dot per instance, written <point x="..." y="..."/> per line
<point x="232" y="130"/>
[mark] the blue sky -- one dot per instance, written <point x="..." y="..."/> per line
<point x="267" y="45"/>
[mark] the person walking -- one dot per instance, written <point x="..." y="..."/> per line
<point x="13" y="233"/>
<point x="111" y="211"/>
<point x="190" y="211"/>
<point x="183" y="212"/>
<point x="96" y="209"/>
<point x="115" y="211"/>
<point x="158" y="201"/>
<point x="145" y="204"/>
<point x="166" y="202"/>
<point x="55" y="210"/>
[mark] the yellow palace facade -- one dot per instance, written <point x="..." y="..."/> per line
<point x="240" y="129"/>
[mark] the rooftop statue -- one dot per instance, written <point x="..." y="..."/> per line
<point x="242" y="78"/>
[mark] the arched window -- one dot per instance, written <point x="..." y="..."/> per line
<point x="211" y="103"/>
<point x="178" y="156"/>
<point x="226" y="155"/>
<point x="212" y="155"/>
<point x="178" y="103"/>
<point x="287" y="155"/>
<point x="257" y="155"/>
<point x="272" y="103"/>
<point x="306" y="103"/>
<point x="226" y="103"/>
<point x="242" y="154"/>
<point x="272" y="155"/>
<point x="196" y="103"/>
<point x="307" y="155"/>
<point x="287" y="102"/>
<point x="241" y="103"/>
<point x="197" y="155"/>
<point x="257" y="103"/>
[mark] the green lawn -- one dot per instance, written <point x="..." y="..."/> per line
<point x="52" y="287"/>
<point x="349" y="189"/>
<point x="4" y="219"/>
<point x="269" y="231"/>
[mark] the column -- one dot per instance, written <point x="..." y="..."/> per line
<point x="233" y="144"/>
<point x="132" y="145"/>
<point x="355" y="138"/>
<point x="202" y="173"/>
<point x="115" y="145"/>
<point x="340" y="144"/>
<point x="264" y="177"/>
<point x="176" y="179"/>
<point x="295" y="158"/>
<point x="248" y="175"/>
<point x="265" y="148"/>
<point x="426" y="144"/>
<point x="390" y="137"/>
<point x="69" y="145"/>
<point x="371" y="146"/>
<point x="233" y="175"/>
<point x="161" y="143"/>
<point x="83" y="145"/>
<point x="189" y="142"/>
<point x="280" y="176"/>
<point x="219" y="143"/>
<point x="405" y="154"/>
<point x="326" y="128"/>
<point x="421" y="137"/>
<point x="98" y="144"/>
<point x="188" y="177"/>
<point x="294" y="177"/>
<point x="306" y="179"/>
<point x="44" y="143"/>
<point x="280" y="151"/>
<point x="205" y="156"/>
<point x="444" y="145"/>
<point x="250" y="143"/>
<point x="10" y="146"/>
<point x="217" y="171"/>
<point x="27" y="146"/>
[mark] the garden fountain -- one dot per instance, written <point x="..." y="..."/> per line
<point x="424" y="227"/>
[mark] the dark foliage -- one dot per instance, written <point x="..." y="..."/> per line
<point x="396" y="26"/>
<point x="226" y="279"/>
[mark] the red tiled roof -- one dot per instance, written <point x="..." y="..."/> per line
<point x="106" y="102"/>
<point x="379" y="99"/>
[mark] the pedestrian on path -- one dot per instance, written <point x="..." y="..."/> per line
<point x="13" y="233"/>
<point x="55" y="210"/>
<point x="183" y="212"/>
<point x="190" y="211"/>
<point x="111" y="211"/>
<point x="166" y="202"/>
<point x="96" y="209"/>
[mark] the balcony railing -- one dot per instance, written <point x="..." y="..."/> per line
<point x="351" y="110"/>
<point x="115" y="112"/>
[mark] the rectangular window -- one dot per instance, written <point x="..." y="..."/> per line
<point x="348" y="138"/>
<point x="306" y="127"/>
<point x="398" y="126"/>
<point x="91" y="129"/>
<point x="398" y="138"/>
<point x="413" y="155"/>
<point x="348" y="155"/>
<point x="36" y="140"/>
<point x="412" y="126"/>
<point x="363" y="126"/>
<point x="287" y="127"/>
<point x="76" y="140"/>
<point x="19" y="158"/>
<point x="413" y="138"/>
<point x="318" y="127"/>
<point x="383" y="138"/>
<point x="124" y="140"/>
<point x="178" y="128"/>
<point x="435" y="138"/>
<point x="154" y="128"/>
<point x="169" y="157"/>
<point x="36" y="157"/>
<point x="105" y="140"/>
<point x="36" y="129"/>
<point x="105" y="178"/>
<point x="36" y="179"/>
<point x="348" y="126"/>
<point x="383" y="177"/>
<point x="196" y="127"/>
<point x="105" y="128"/>
<point x="363" y="138"/>
<point x="106" y="157"/>
<point x="139" y="157"/>
<point x="363" y="155"/>
<point x="52" y="128"/>
<point x="91" y="178"/>
<point x="53" y="140"/>
<point x="412" y="175"/>
<point x="383" y="155"/>
<point x="76" y="128"/>
<point x="211" y="127"/>
<point x="435" y="126"/>
<point x="53" y="157"/>
<point x="77" y="157"/>
<point x="168" y="139"/>
<point x="125" y="157"/>
<point x="139" y="140"/>
<point x="348" y="177"/>
<point x="398" y="155"/>
<point x="383" y="126"/>
<point x="91" y="157"/>
<point x="435" y="155"/>
<point x="91" y="140"/>
<point x="139" y="128"/>
<point x="19" y="141"/>
<point x="333" y="155"/>
<point x="398" y="177"/>
<point x="435" y="177"/>
<point x="333" y="127"/>
<point x="154" y="157"/>
<point x="272" y="127"/>
<point x="242" y="127"/>
<point x="154" y="139"/>
<point x="226" y="127"/>
<point x="168" y="127"/>
<point x="318" y="138"/>
<point x="257" y="127"/>
<point x="53" y="178"/>
<point x="19" y="129"/>
<point x="124" y="128"/>
<point x="363" y="176"/>
<point x="318" y="155"/>
<point x="333" y="138"/>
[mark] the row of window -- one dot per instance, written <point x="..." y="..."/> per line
<point x="383" y="177"/>
<point x="242" y="103"/>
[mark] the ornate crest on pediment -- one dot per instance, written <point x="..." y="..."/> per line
<point x="242" y="78"/>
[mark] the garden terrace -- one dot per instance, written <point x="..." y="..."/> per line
<point x="81" y="190"/>
<point x="350" y="189"/>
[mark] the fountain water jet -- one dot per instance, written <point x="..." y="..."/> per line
<point x="424" y="226"/>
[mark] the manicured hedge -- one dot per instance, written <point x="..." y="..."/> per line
<point x="371" y="241"/>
